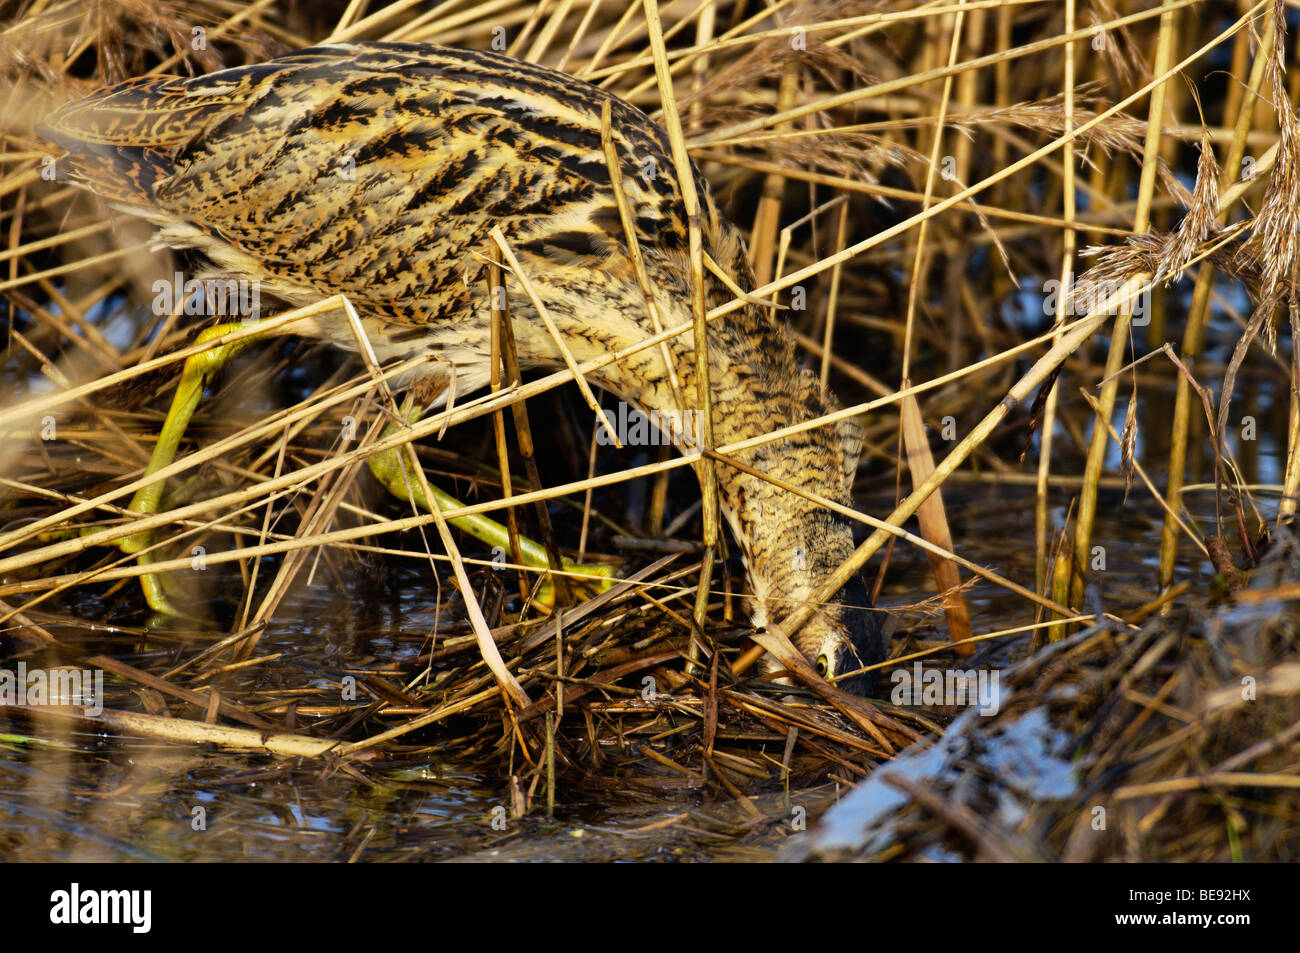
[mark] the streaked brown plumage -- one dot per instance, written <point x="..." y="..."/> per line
<point x="378" y="170"/>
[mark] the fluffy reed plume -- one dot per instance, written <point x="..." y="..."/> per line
<point x="1165" y="255"/>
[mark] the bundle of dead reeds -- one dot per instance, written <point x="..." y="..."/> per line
<point x="1172" y="741"/>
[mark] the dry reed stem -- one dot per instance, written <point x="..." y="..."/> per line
<point x="1069" y="240"/>
<point x="496" y="358"/>
<point x="516" y="269"/>
<point x="695" y="251"/>
<point x="184" y="731"/>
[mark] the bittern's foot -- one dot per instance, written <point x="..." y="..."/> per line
<point x="591" y="578"/>
<point x="587" y="579"/>
<point x="164" y="611"/>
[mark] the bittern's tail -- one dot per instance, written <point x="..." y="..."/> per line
<point x="121" y="139"/>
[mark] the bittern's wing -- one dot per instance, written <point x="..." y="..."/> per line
<point x="378" y="169"/>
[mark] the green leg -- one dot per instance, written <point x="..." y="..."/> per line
<point x="199" y="370"/>
<point x="387" y="466"/>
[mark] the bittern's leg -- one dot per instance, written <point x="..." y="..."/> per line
<point x="387" y="468"/>
<point x="199" y="370"/>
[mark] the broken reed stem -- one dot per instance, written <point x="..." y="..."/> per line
<point x="499" y="315"/>
<point x="1120" y="329"/>
<point x="1194" y="333"/>
<point x="1069" y="240"/>
<point x="704" y="391"/>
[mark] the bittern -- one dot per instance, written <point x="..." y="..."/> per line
<point x="379" y="171"/>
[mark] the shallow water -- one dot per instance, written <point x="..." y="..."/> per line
<point x="94" y="796"/>
<point x="120" y="798"/>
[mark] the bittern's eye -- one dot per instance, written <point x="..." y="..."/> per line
<point x="823" y="666"/>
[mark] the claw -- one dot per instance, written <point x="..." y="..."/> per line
<point x="588" y="579"/>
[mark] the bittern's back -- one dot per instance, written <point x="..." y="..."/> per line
<point x="377" y="170"/>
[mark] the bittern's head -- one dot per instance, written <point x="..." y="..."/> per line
<point x="843" y="637"/>
<point x="789" y="511"/>
<point x="790" y="556"/>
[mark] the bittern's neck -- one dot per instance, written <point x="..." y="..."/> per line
<point x="790" y="542"/>
<point x="757" y="389"/>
